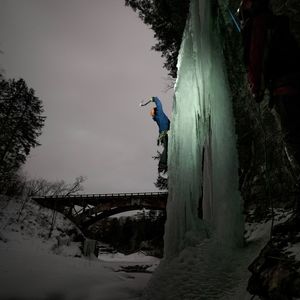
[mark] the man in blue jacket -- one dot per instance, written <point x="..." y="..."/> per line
<point x="163" y="123"/>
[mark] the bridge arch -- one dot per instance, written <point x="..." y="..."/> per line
<point x="114" y="211"/>
<point x="86" y="209"/>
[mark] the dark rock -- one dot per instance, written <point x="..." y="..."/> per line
<point x="268" y="180"/>
<point x="135" y="269"/>
<point x="274" y="272"/>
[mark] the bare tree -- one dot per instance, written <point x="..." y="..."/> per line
<point x="170" y="83"/>
<point x="42" y="187"/>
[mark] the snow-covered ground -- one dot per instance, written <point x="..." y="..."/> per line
<point x="33" y="267"/>
<point x="211" y="270"/>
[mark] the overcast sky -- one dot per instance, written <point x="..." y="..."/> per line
<point x="90" y="62"/>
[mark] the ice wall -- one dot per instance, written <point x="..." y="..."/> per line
<point x="204" y="227"/>
<point x="203" y="165"/>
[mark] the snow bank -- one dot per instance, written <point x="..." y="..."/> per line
<point x="134" y="257"/>
<point x="212" y="271"/>
<point x="33" y="267"/>
<point x="30" y="273"/>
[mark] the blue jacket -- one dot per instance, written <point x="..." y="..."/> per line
<point x="160" y="118"/>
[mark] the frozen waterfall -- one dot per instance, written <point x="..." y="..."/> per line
<point x="204" y="228"/>
<point x="203" y="165"/>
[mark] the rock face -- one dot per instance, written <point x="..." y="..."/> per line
<point x="268" y="177"/>
<point x="275" y="273"/>
<point x="273" y="277"/>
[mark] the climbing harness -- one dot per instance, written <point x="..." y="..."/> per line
<point x="161" y="137"/>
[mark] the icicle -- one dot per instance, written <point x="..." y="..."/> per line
<point x="203" y="167"/>
<point x="204" y="224"/>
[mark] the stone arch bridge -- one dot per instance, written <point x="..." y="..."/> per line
<point x="86" y="209"/>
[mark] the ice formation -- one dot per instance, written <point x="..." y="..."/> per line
<point x="204" y="228"/>
<point x="203" y="164"/>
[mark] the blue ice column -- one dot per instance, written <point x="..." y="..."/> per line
<point x="203" y="164"/>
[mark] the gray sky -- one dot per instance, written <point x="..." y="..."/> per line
<point x="91" y="64"/>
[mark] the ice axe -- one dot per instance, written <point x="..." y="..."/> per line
<point x="144" y="104"/>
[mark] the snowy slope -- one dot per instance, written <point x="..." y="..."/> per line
<point x="209" y="270"/>
<point x="24" y="220"/>
<point x="33" y="267"/>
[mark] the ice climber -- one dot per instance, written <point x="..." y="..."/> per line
<point x="163" y="124"/>
<point x="272" y="58"/>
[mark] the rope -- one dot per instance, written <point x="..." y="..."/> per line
<point x="294" y="174"/>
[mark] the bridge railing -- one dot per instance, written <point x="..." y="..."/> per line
<point x="101" y="195"/>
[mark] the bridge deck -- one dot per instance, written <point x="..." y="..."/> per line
<point x="105" y="195"/>
<point x="94" y="199"/>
